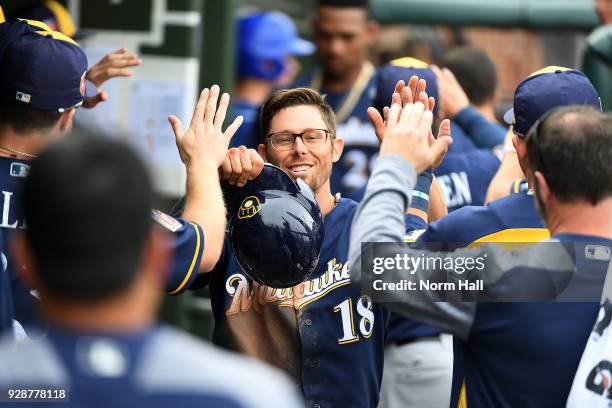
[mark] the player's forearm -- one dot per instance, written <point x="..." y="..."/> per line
<point x="437" y="207"/>
<point x="379" y="218"/>
<point x="380" y="215"/>
<point x="204" y="205"/>
<point x="508" y="172"/>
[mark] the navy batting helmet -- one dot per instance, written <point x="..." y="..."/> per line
<point x="275" y="228"/>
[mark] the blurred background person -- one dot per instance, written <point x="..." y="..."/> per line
<point x="476" y="73"/>
<point x="100" y="284"/>
<point x="344" y="31"/>
<point x="597" y="55"/>
<point x="268" y="43"/>
<point x="466" y="171"/>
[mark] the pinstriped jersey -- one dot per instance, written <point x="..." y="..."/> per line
<point x="324" y="332"/>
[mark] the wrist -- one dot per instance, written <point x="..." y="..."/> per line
<point x="201" y="168"/>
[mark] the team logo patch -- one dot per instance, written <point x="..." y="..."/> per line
<point x="249" y="207"/>
<point x="597" y="252"/>
<point x="19" y="170"/>
<point x="165" y="220"/>
<point x="23" y="97"/>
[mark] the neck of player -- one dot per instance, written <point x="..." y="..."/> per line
<point x="340" y="83"/>
<point x="129" y="312"/>
<point x="27" y="142"/>
<point x="581" y="218"/>
<point x="326" y="199"/>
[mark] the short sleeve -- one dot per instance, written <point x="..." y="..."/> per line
<point x="187" y="248"/>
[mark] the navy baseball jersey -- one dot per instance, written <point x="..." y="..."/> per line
<point x="526" y="354"/>
<point x="510" y="219"/>
<point x="361" y="145"/>
<point x="464" y="177"/>
<point x="188" y="244"/>
<point x="326" y="334"/>
<point x="12" y="175"/>
<point x="6" y="294"/>
<point x="461" y="140"/>
<point x="472" y="130"/>
<point x="515" y="354"/>
<point x="159" y="367"/>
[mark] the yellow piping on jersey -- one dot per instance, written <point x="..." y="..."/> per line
<point x="513" y="237"/>
<point x="193" y="262"/>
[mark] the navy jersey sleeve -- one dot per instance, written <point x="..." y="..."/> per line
<point x="187" y="248"/>
<point x="414" y="223"/>
<point x="480" y="130"/>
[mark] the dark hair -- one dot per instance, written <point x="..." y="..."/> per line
<point x="22" y="118"/>
<point x="572" y="147"/>
<point x="87" y="204"/>
<point x="286" y="98"/>
<point x="475" y="72"/>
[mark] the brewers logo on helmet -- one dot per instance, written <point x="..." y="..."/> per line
<point x="275" y="228"/>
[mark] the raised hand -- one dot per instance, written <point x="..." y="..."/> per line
<point x="414" y="91"/>
<point x="113" y="65"/>
<point x="407" y="134"/>
<point x="453" y="98"/>
<point x="205" y="142"/>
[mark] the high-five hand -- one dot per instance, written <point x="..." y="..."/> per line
<point x="407" y="135"/>
<point x="205" y="141"/>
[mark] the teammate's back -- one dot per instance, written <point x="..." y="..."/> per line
<point x="159" y="368"/>
<point x="100" y="284"/>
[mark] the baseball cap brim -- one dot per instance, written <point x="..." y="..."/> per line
<point x="301" y="47"/>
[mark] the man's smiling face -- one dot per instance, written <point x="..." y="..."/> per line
<point x="312" y="164"/>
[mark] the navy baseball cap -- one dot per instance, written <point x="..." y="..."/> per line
<point x="39" y="67"/>
<point x="265" y="39"/>
<point x="403" y="68"/>
<point x="545" y="89"/>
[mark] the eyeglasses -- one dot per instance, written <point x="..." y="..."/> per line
<point x="312" y="138"/>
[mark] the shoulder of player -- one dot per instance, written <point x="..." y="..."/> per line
<point x="462" y="222"/>
<point x="31" y="362"/>
<point x="176" y="361"/>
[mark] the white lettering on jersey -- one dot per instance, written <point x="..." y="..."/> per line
<point x="244" y="297"/>
<point x="6" y="206"/>
<point x="455" y="189"/>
